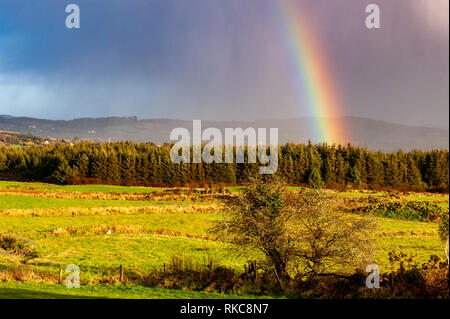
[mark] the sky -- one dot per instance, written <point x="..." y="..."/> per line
<point x="220" y="60"/>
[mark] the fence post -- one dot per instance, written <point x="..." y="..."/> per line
<point x="210" y="270"/>
<point x="60" y="275"/>
<point x="121" y="273"/>
<point x="164" y="271"/>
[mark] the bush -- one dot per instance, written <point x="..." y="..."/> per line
<point x="295" y="232"/>
<point x="410" y="210"/>
<point x="443" y="229"/>
<point x="444" y="235"/>
<point x="15" y="246"/>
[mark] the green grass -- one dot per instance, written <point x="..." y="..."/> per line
<point x="15" y="290"/>
<point x="411" y="237"/>
<point x="100" y="254"/>
<point x="427" y="197"/>
<point x="30" y="202"/>
<point x="235" y="189"/>
<point x="37" y="227"/>
<point x="109" y="188"/>
<point x="238" y="189"/>
<point x="7" y="185"/>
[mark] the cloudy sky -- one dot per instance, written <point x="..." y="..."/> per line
<point x="219" y="59"/>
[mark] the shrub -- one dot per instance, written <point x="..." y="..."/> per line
<point x="444" y="235"/>
<point x="443" y="229"/>
<point x="15" y="246"/>
<point x="293" y="230"/>
<point x="410" y="210"/>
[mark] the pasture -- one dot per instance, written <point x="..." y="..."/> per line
<point x="102" y="227"/>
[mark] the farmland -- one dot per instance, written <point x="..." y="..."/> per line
<point x="102" y="227"/>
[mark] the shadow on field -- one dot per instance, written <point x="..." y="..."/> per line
<point x="14" y="293"/>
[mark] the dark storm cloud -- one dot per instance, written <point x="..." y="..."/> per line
<point x="217" y="59"/>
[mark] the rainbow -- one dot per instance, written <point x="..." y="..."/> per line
<point x="313" y="78"/>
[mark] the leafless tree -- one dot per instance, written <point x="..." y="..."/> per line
<point x="295" y="231"/>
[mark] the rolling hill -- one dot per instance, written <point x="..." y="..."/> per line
<point x="369" y="133"/>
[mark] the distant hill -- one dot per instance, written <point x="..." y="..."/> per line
<point x="16" y="138"/>
<point x="373" y="134"/>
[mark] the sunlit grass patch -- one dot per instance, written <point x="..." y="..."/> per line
<point x="99" y="255"/>
<point x="7" y="185"/>
<point x="31" y="202"/>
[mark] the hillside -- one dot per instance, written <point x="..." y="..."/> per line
<point x="373" y="134"/>
<point x="15" y="138"/>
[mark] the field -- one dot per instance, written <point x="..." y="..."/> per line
<point x="102" y="227"/>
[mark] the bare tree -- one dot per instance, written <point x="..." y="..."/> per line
<point x="258" y="219"/>
<point x="328" y="240"/>
<point x="294" y="231"/>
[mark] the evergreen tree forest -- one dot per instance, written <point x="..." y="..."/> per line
<point x="129" y="163"/>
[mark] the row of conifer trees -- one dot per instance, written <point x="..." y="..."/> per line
<point x="148" y="164"/>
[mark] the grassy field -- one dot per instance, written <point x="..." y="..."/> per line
<point x="145" y="240"/>
<point x="14" y="290"/>
<point x="30" y="202"/>
<point x="7" y="185"/>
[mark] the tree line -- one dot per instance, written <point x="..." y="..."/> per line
<point x="148" y="164"/>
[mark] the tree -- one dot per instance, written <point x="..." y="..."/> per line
<point x="375" y="170"/>
<point x="83" y="165"/>
<point x="287" y="165"/>
<point x="99" y="167"/>
<point x="327" y="239"/>
<point x="392" y="176"/>
<point x="294" y="230"/>
<point x="64" y="172"/>
<point x="413" y="176"/>
<point x="112" y="169"/>
<point x="128" y="167"/>
<point x="2" y="159"/>
<point x="257" y="219"/>
<point x="354" y="176"/>
<point x="142" y="163"/>
<point x="315" y="180"/>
